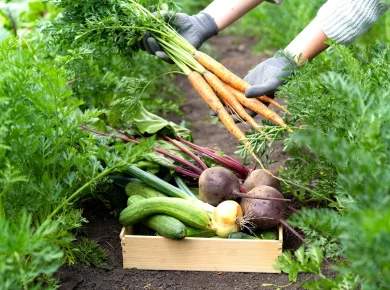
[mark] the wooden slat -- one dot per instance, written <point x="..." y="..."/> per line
<point x="200" y="254"/>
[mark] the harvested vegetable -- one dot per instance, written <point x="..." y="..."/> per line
<point x="217" y="184"/>
<point x="184" y="210"/>
<point x="264" y="214"/>
<point x="262" y="177"/>
<point x="142" y="189"/>
<point x="165" y="225"/>
<point x="227" y="218"/>
<point x="199" y="233"/>
<point x="186" y="57"/>
<point x="242" y="236"/>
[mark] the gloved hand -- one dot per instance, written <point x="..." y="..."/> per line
<point x="266" y="77"/>
<point x="195" y="29"/>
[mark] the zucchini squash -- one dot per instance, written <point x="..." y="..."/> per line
<point x="200" y="233"/>
<point x="142" y="189"/>
<point x="184" y="210"/>
<point x="164" y="225"/>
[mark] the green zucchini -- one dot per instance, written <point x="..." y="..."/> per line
<point x="134" y="198"/>
<point x="200" y="233"/>
<point x="269" y="236"/>
<point x="164" y="225"/>
<point x="241" y="235"/>
<point x="156" y="182"/>
<point x="184" y="210"/>
<point x="142" y="189"/>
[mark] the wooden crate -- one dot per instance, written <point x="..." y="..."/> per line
<point x="200" y="254"/>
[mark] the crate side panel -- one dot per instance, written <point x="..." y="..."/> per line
<point x="157" y="253"/>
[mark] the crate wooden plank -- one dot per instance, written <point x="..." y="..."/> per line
<point x="200" y="254"/>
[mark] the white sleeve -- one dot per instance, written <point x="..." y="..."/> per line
<point x="345" y="20"/>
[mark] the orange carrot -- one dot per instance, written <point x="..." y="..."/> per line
<point x="224" y="92"/>
<point x="221" y="71"/>
<point x="273" y="102"/>
<point x="258" y="107"/>
<point x="209" y="96"/>
<point x="229" y="77"/>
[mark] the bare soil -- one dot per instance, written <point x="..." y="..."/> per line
<point x="105" y="228"/>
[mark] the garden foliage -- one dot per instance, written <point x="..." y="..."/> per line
<point x="342" y="101"/>
<point x="50" y="85"/>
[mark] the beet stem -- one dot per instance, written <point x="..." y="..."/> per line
<point x="228" y="162"/>
<point x="185" y="150"/>
<point x="186" y="172"/>
<point x="243" y="189"/>
<point x="295" y="233"/>
<point x="293" y="209"/>
<point x="252" y="196"/>
<point x="158" y="149"/>
<point x="180" y="160"/>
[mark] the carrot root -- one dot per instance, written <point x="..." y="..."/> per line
<point x="221" y="71"/>
<point x="258" y="107"/>
<point x="209" y="96"/>
<point x="273" y="102"/>
<point x="224" y="92"/>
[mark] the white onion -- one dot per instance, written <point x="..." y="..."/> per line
<point x="226" y="218"/>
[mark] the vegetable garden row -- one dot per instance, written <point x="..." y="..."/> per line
<point x="80" y="118"/>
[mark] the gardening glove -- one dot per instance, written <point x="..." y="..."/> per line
<point x="195" y="29"/>
<point x="266" y="77"/>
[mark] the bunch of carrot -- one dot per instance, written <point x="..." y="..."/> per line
<point x="218" y="86"/>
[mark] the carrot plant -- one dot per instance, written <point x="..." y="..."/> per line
<point x="341" y="152"/>
<point x="95" y="75"/>
<point x="46" y="164"/>
<point x="119" y="25"/>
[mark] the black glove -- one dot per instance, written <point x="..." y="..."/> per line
<point x="195" y="29"/>
<point x="266" y="77"/>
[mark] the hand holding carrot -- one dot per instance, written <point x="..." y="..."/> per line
<point x="266" y="77"/>
<point x="195" y="29"/>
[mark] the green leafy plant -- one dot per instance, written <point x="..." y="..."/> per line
<point x="98" y="47"/>
<point x="342" y="100"/>
<point x="307" y="261"/>
<point x="26" y="255"/>
<point x="90" y="253"/>
<point x="46" y="163"/>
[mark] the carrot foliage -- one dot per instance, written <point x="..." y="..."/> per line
<point x="342" y="154"/>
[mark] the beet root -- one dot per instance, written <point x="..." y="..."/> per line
<point x="261" y="177"/>
<point x="217" y="184"/>
<point x="264" y="214"/>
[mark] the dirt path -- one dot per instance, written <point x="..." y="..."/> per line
<point x="105" y="228"/>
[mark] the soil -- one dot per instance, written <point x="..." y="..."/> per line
<point x="104" y="227"/>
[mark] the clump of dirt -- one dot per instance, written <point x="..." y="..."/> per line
<point x="105" y="229"/>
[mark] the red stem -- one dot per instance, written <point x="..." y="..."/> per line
<point x="186" y="172"/>
<point x="180" y="160"/>
<point x="181" y="147"/>
<point x="295" y="233"/>
<point x="226" y="161"/>
<point x="158" y="149"/>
